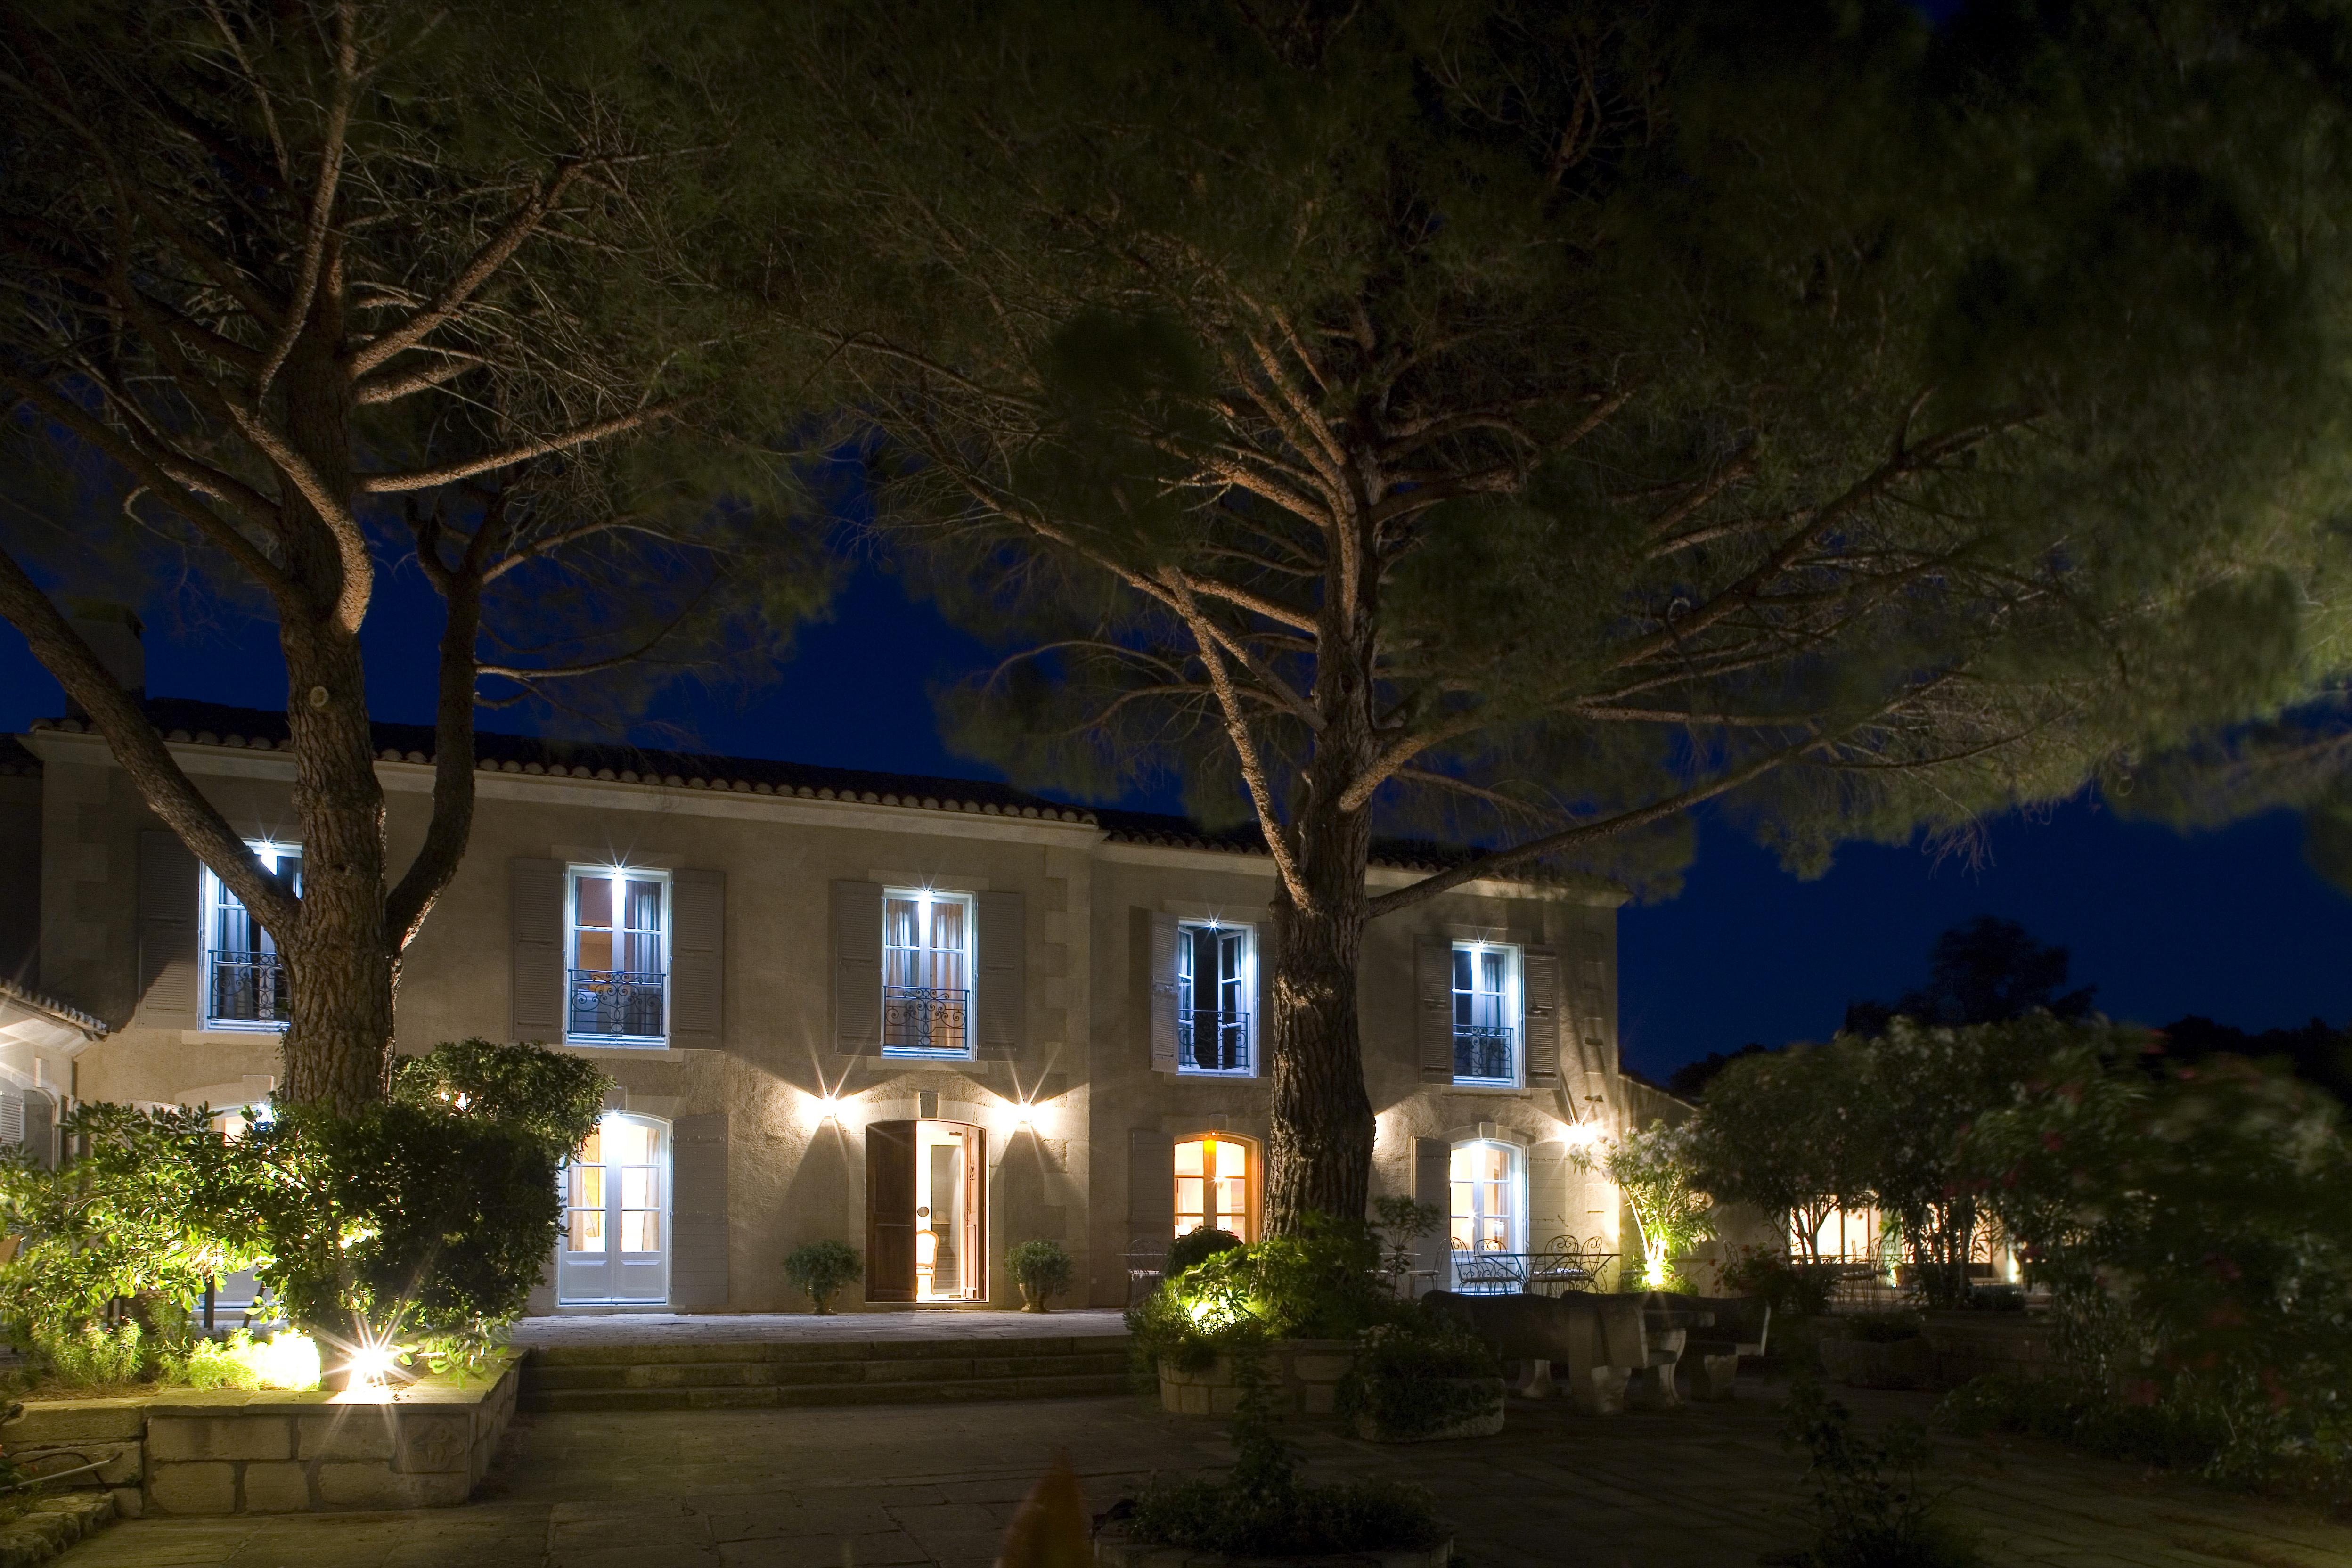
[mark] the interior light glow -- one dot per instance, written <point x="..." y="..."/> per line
<point x="288" y="1361"/>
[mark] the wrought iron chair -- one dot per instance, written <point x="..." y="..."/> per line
<point x="1488" y="1273"/>
<point x="1559" y="1267"/>
<point x="1147" y="1265"/>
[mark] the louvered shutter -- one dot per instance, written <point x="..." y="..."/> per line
<point x="697" y="958"/>
<point x="698" y="1164"/>
<point x="1262" y="1026"/>
<point x="856" y="967"/>
<point x="535" y="930"/>
<point x="171" y="963"/>
<point x="41" y="1122"/>
<point x="12" y="1117"/>
<point x="1432" y="1186"/>
<point x="1433" y="985"/>
<point x="1151" y="1184"/>
<point x="1161" y="1001"/>
<point x="1003" y="1000"/>
<point x="1542" y="966"/>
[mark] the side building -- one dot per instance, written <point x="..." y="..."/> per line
<point x="932" y="1017"/>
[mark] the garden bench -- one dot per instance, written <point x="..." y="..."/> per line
<point x="1600" y="1341"/>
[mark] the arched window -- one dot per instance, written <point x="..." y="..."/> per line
<point x="1489" y="1197"/>
<point x="1214" y="1181"/>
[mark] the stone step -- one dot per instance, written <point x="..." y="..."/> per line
<point x="771" y="1396"/>
<point x="723" y="1374"/>
<point x="658" y="1354"/>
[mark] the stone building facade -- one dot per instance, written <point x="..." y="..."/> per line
<point x="932" y="1017"/>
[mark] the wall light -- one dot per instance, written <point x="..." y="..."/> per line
<point x="828" y="1109"/>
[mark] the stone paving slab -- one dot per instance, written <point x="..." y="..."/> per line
<point x="1701" y="1486"/>
<point x="772" y="1328"/>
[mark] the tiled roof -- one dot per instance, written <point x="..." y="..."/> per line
<point x="55" y="1009"/>
<point x="186" y="720"/>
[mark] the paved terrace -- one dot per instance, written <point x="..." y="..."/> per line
<point x="769" y="1328"/>
<point x="1703" y="1486"/>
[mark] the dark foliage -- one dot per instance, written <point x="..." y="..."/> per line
<point x="1985" y="971"/>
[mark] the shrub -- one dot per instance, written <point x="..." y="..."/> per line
<point x="1044" y="1266"/>
<point x="818" y="1270"/>
<point x="1884" y="1328"/>
<point x="1870" y="1507"/>
<point x="1656" y="1170"/>
<point x="1407" y="1377"/>
<point x="289" y="1361"/>
<point x="1796" y="1289"/>
<point x="1195" y="1247"/>
<point x="1321" y="1285"/>
<point x="95" y="1355"/>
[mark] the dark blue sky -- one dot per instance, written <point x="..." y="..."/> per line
<point x="2230" y="924"/>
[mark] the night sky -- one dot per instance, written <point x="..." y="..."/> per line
<point x="2229" y="924"/>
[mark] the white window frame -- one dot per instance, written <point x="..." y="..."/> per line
<point x="213" y="897"/>
<point x="928" y="898"/>
<point x="573" y="875"/>
<point x="1512" y="1008"/>
<point x="1187" y="987"/>
<point x="1518" y="1238"/>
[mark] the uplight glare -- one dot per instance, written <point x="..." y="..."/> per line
<point x="288" y="1361"/>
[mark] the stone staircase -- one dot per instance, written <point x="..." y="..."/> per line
<point x="775" y="1375"/>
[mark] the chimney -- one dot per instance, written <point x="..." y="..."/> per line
<point x="113" y="633"/>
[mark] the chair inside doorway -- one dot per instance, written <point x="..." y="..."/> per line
<point x="925" y="1232"/>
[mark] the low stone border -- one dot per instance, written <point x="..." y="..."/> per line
<point x="1302" y="1379"/>
<point x="53" y="1524"/>
<point x="224" y="1451"/>
<point x="1114" y="1549"/>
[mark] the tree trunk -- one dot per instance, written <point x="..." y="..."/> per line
<point x="339" y="959"/>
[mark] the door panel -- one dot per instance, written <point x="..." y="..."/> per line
<point x="615" y="1242"/>
<point x="890" y="1211"/>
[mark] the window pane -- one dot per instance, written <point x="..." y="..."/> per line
<point x="638" y="1187"/>
<point x="591" y="1150"/>
<point x="1233" y="1159"/>
<point x="1191" y="1197"/>
<point x="596" y="950"/>
<point x="645" y="909"/>
<point x="640" y="1231"/>
<point x="633" y="1143"/>
<point x="595" y="906"/>
<point x="587" y="1230"/>
<point x="588" y="1185"/>
<point x="1188" y="1158"/>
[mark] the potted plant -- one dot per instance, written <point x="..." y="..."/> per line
<point x="1418" y="1381"/>
<point x="1040" y="1268"/>
<point x="820" y="1268"/>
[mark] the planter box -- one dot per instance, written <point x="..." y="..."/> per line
<point x="1302" y="1379"/>
<point x="1113" y="1550"/>
<point x="208" y="1452"/>
<point x="1484" y="1422"/>
<point x="1870" y="1363"/>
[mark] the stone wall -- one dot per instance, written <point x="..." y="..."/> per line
<point x="224" y="1451"/>
<point x="1302" y="1377"/>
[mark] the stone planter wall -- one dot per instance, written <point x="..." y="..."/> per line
<point x="1976" y="1345"/>
<point x="1303" y="1378"/>
<point x="1113" y="1550"/>
<point x="224" y="1451"/>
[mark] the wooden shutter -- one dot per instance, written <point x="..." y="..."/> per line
<point x="535" y="931"/>
<point x="857" y="983"/>
<point x="1160" y="1000"/>
<point x="40" y="1120"/>
<point x="889" y="1208"/>
<point x="1002" y="1002"/>
<point x="1432" y="1184"/>
<point x="1548" y="1172"/>
<point x="698" y="1207"/>
<point x="1433" y="985"/>
<point x="697" y="958"/>
<point x="171" y="964"/>
<point x="1262" y="1026"/>
<point x="12" y="1117"/>
<point x="1541" y="965"/>
<point x="1151" y="1184"/>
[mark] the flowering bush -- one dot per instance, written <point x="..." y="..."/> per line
<point x="2195" y="1222"/>
<point x="1657" y="1170"/>
<point x="1323" y="1285"/>
<point x="1792" y="1132"/>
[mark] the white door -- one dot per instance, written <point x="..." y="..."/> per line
<point x="616" y="1243"/>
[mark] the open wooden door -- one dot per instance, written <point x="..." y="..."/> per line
<point x="890" y="1211"/>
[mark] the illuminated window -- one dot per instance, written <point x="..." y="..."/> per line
<point x="926" y="972"/>
<point x="615" y="1193"/>
<point x="1215" y="975"/>
<point x="1488" y="1210"/>
<point x="1486" y="1014"/>
<point x="245" y="975"/>
<point x="1212" y="1187"/>
<point x="620" y="954"/>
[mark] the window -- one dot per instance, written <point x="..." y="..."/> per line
<point x="1486" y="1014"/>
<point x="1214" y="979"/>
<point x="620" y="954"/>
<point x="926" y="972"/>
<point x="245" y="976"/>
<point x="1213" y="1185"/>
<point x="1489" y="1214"/>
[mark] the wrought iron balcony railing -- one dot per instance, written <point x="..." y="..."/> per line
<point x="244" y="985"/>
<point x="1208" y="1040"/>
<point x="925" y="1019"/>
<point x="1482" y="1051"/>
<point x="616" y="1002"/>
